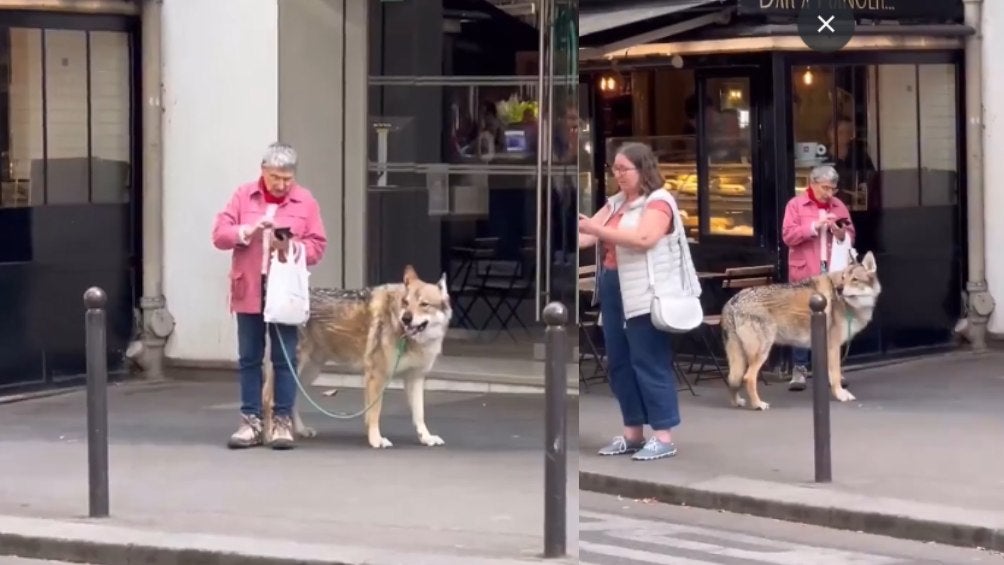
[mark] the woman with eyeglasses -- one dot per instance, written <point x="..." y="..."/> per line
<point x="639" y="219"/>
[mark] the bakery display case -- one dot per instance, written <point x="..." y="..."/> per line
<point x="729" y="186"/>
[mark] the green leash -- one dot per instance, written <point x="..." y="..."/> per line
<point x="847" y="348"/>
<point x="401" y="344"/>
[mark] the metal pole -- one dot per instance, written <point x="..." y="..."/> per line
<point x="97" y="401"/>
<point x="158" y="323"/>
<point x="820" y="389"/>
<point x="555" y="455"/>
<point x="980" y="302"/>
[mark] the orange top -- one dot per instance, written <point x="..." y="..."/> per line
<point x="610" y="251"/>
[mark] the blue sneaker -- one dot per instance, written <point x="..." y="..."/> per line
<point x="620" y="446"/>
<point x="654" y="449"/>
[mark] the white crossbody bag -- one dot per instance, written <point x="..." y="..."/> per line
<point x="677" y="312"/>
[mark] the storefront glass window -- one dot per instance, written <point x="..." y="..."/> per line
<point x="473" y="158"/>
<point x="65" y="136"/>
<point x="661" y="108"/>
<point x="889" y="130"/>
<point x="729" y="152"/>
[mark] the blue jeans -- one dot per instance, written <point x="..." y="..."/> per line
<point x="251" y="353"/>
<point x="800" y="356"/>
<point x="640" y="360"/>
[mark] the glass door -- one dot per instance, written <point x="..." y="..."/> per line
<point x="558" y="165"/>
<point x="468" y="154"/>
<point x="726" y="142"/>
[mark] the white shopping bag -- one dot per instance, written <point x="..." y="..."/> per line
<point x="287" y="288"/>
<point x="840" y="254"/>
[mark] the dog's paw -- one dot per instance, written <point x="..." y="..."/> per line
<point x="844" y="395"/>
<point x="307" y="432"/>
<point x="431" y="440"/>
<point x="763" y="406"/>
<point x="738" y="402"/>
<point x="380" y="443"/>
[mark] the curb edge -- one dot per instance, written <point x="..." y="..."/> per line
<point x="878" y="523"/>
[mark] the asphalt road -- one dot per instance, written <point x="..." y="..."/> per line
<point x="628" y="532"/>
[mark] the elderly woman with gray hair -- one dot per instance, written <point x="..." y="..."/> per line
<point x="263" y="216"/>
<point x="814" y="222"/>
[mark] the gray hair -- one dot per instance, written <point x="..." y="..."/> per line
<point x="280" y="156"/>
<point x="824" y="173"/>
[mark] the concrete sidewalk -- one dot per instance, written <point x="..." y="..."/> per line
<point x="334" y="499"/>
<point x="917" y="455"/>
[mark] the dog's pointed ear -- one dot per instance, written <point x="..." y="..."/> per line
<point x="869" y="262"/>
<point x="852" y="256"/>
<point x="443" y="287"/>
<point x="410" y="275"/>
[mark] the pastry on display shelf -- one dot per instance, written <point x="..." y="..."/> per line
<point x="740" y="230"/>
<point x="720" y="223"/>
<point x="732" y="189"/>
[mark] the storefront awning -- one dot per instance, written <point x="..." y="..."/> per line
<point x="625" y="13"/>
<point x="607" y="27"/>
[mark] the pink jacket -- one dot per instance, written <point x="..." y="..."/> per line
<point x="803" y="243"/>
<point x="299" y="212"/>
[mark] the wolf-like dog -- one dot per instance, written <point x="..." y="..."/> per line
<point x="756" y="318"/>
<point x="361" y="329"/>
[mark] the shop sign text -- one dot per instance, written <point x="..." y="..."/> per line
<point x="884" y="9"/>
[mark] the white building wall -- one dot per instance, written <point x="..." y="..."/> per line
<point x="221" y="106"/>
<point x="993" y="167"/>
<point x="277" y="73"/>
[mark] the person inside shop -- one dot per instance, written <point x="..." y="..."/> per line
<point x="726" y="141"/>
<point x="814" y="223"/>
<point x="637" y="219"/>
<point x="491" y="132"/>
<point x="250" y="227"/>
<point x="564" y="203"/>
<point x="850" y="158"/>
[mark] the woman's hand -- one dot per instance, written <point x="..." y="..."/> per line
<point x="588" y="225"/>
<point x="263" y="224"/>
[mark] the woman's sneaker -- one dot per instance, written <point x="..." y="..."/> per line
<point x="798" y="376"/>
<point x="620" y="446"/>
<point x="248" y="434"/>
<point x="282" y="433"/>
<point x="654" y="449"/>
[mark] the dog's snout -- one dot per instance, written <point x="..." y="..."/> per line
<point x="406" y="317"/>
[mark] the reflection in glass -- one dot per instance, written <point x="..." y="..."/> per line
<point x="729" y="149"/>
<point x="889" y="130"/>
<point x="458" y="127"/>
<point x="939" y="159"/>
<point x="110" y="117"/>
<point x="66" y="117"/>
<point x="22" y="180"/>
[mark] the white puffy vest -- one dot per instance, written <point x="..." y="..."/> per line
<point x="632" y="268"/>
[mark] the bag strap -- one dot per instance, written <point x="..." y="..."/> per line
<point x="686" y="282"/>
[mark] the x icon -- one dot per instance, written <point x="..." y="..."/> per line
<point x="826" y="24"/>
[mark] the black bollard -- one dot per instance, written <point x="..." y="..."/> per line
<point x="555" y="453"/>
<point x="820" y="389"/>
<point x="97" y="401"/>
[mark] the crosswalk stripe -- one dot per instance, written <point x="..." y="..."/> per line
<point x="637" y="555"/>
<point x="716" y="543"/>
